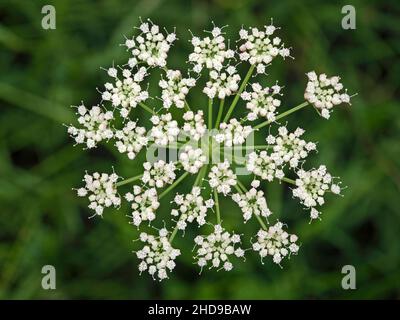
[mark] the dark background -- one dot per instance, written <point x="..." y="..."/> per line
<point x="42" y="222"/>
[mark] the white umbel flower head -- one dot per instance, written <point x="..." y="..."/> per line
<point x="125" y="93"/>
<point x="144" y="204"/>
<point x="311" y="187"/>
<point x="262" y="165"/>
<point x="151" y="46"/>
<point x="157" y="255"/>
<point x="210" y="52"/>
<point x="252" y="202"/>
<point x="194" y="125"/>
<point x="262" y="102"/>
<point x="275" y="242"/>
<point x="259" y="48"/>
<point x="191" y="207"/>
<point x="175" y="88"/>
<point x="158" y="174"/>
<point x="232" y="133"/>
<point x="216" y="249"/>
<point x="131" y="139"/>
<point x="222" y="84"/>
<point x="288" y="147"/>
<point x="222" y="178"/>
<point x="192" y="159"/>
<point x="164" y="130"/>
<point x="101" y="191"/>
<point x="96" y="126"/>
<point x="325" y="93"/>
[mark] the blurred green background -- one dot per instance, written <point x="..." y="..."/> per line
<point x="42" y="222"/>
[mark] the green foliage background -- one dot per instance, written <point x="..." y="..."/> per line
<point x="43" y="222"/>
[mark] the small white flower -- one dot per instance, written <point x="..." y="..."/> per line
<point x="131" y="139"/>
<point x="159" y="173"/>
<point x="325" y="93"/>
<point x="216" y="249"/>
<point x="275" y="242"/>
<point x="144" y="204"/>
<point x="96" y="126"/>
<point x="164" y="130"/>
<point x="262" y="165"/>
<point x="157" y="255"/>
<point x="222" y="84"/>
<point x="194" y="125"/>
<point x="192" y="159"/>
<point x="101" y="191"/>
<point x="232" y="133"/>
<point x="222" y="177"/>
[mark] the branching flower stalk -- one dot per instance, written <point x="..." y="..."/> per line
<point x="214" y="152"/>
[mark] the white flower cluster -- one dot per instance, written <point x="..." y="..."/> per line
<point x="262" y="102"/>
<point x="96" y="126"/>
<point x="151" y="46"/>
<point x="131" y="139"/>
<point x="222" y="178"/>
<point x="223" y="83"/>
<point x="144" y="204"/>
<point x="164" y="130"/>
<point x="191" y="207"/>
<point x="288" y="147"/>
<point x="157" y="255"/>
<point x="325" y="93"/>
<point x="158" y="174"/>
<point x="275" y="242"/>
<point x="252" y="202"/>
<point x="125" y="93"/>
<point x="192" y="159"/>
<point x="101" y="190"/>
<point x="262" y="165"/>
<point x="175" y="89"/>
<point x="258" y="47"/>
<point x="311" y="187"/>
<point x="216" y="249"/>
<point x="210" y="51"/>
<point x="232" y="133"/>
<point x="194" y="125"/>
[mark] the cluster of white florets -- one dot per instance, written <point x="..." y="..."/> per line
<point x="151" y="46"/>
<point x="252" y="202"/>
<point x="191" y="206"/>
<point x="131" y="139"/>
<point x="96" y="126"/>
<point x="210" y="52"/>
<point x="287" y="147"/>
<point x="157" y="256"/>
<point x="194" y="125"/>
<point x="144" y="204"/>
<point x="165" y="130"/>
<point x="222" y="178"/>
<point x="222" y="84"/>
<point x="232" y="133"/>
<point x="216" y="248"/>
<point x="175" y="88"/>
<point x="275" y="242"/>
<point x="259" y="48"/>
<point x="325" y="93"/>
<point x="101" y="191"/>
<point x="192" y="159"/>
<point x="125" y="93"/>
<point x="159" y="173"/>
<point x="311" y="187"/>
<point x="262" y="102"/>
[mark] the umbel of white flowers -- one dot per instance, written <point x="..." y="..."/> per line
<point x="258" y="108"/>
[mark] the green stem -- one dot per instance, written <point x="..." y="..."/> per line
<point x="289" y="180"/>
<point x="221" y="108"/>
<point x="187" y="107"/>
<point x="255" y="147"/>
<point x="210" y="103"/>
<point x="172" y="186"/>
<point x="282" y="115"/>
<point x="242" y="86"/>
<point x="217" y="207"/>
<point x="147" y="108"/>
<point x="240" y="184"/>
<point x="126" y="181"/>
